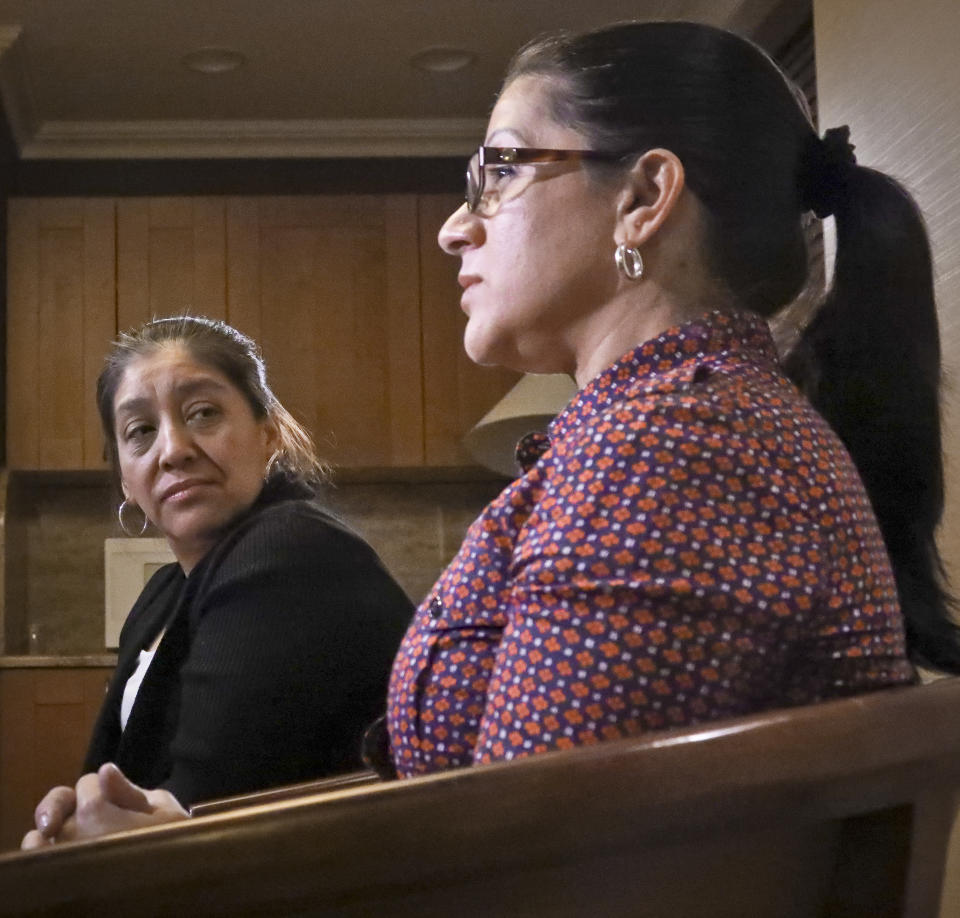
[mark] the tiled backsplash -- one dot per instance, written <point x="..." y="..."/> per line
<point x="55" y="527"/>
<point x="54" y="532"/>
<point x="415" y="527"/>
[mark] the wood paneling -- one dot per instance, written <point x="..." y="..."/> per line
<point x="354" y="306"/>
<point x="457" y="392"/>
<point x="171" y="258"/>
<point x="329" y="288"/>
<point x="248" y="176"/>
<point x="46" y="717"/>
<point x="60" y="322"/>
<point x="243" y="265"/>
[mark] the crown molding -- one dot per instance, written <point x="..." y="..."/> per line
<point x="252" y="139"/>
<point x="100" y="140"/>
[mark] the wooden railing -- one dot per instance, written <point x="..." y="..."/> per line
<point x="288" y="792"/>
<point x="838" y="809"/>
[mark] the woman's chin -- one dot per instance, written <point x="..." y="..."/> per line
<point x="497" y="353"/>
<point x="479" y="350"/>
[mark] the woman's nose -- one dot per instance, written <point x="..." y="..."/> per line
<point x="460" y="230"/>
<point x="176" y="445"/>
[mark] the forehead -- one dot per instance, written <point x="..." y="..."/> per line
<point x="168" y="369"/>
<point x="522" y="115"/>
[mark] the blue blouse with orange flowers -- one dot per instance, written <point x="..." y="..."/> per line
<point x="692" y="542"/>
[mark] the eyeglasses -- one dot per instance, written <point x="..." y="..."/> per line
<point x="486" y="195"/>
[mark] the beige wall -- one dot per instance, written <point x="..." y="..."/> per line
<point x="891" y="70"/>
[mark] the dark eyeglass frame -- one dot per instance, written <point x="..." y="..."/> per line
<point x="509" y="156"/>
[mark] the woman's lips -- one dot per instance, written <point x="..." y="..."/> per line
<point x="466" y="281"/>
<point x="181" y="489"/>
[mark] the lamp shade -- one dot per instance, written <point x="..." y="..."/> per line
<point x="530" y="405"/>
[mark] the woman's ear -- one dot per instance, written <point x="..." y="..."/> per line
<point x="651" y="192"/>
<point x="272" y="432"/>
<point x="123" y="489"/>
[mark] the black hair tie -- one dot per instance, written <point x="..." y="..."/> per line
<point x="824" y="169"/>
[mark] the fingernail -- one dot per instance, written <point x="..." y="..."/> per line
<point x="43" y="821"/>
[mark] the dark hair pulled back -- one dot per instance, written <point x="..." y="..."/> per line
<point x="870" y="359"/>
<point x="221" y="347"/>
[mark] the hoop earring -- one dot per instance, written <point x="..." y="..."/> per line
<point x="121" y="510"/>
<point x="629" y="261"/>
<point x="273" y="464"/>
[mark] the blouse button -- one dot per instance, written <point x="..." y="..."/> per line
<point x="436" y="607"/>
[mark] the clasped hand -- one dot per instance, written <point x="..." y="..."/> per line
<point x="101" y="803"/>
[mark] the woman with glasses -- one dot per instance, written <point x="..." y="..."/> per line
<point x="697" y="537"/>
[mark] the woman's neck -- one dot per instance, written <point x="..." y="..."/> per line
<point x="676" y="287"/>
<point x="619" y="327"/>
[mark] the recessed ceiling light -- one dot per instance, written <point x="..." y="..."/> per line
<point x="442" y="60"/>
<point x="213" y="60"/>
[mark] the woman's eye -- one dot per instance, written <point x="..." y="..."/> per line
<point x="499" y="175"/>
<point x="202" y="414"/>
<point x="137" y="433"/>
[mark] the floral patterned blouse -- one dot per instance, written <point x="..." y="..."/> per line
<point x="692" y="542"/>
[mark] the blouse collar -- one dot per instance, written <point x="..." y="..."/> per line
<point x="736" y="335"/>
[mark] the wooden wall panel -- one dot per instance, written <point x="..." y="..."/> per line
<point x="46" y="717"/>
<point x="171" y="258"/>
<point x="353" y="304"/>
<point x="133" y="264"/>
<point x="457" y="392"/>
<point x="243" y="265"/>
<point x="99" y="316"/>
<point x="403" y="332"/>
<point x="61" y="319"/>
<point x="328" y="286"/>
<point x="23" y="328"/>
<point x="16" y="749"/>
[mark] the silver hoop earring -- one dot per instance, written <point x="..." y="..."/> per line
<point x="126" y="505"/>
<point x="629" y="261"/>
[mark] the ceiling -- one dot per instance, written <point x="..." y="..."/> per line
<point x="105" y="79"/>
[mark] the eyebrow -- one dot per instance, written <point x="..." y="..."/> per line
<point x="185" y="389"/>
<point x="507" y="130"/>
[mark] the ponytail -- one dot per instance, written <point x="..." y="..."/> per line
<point x="870" y="363"/>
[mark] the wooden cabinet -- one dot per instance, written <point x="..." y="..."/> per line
<point x="171" y="258"/>
<point x="60" y="317"/>
<point x="354" y="306"/>
<point x="46" y="718"/>
<point x="329" y="286"/>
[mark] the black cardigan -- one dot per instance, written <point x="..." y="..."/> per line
<point x="275" y="658"/>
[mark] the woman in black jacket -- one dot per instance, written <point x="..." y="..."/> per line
<point x="259" y="657"/>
